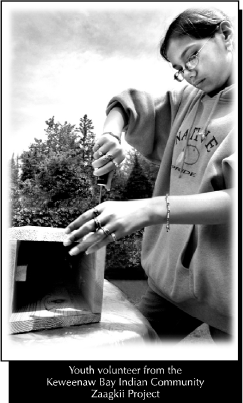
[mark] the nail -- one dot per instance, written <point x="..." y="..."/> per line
<point x="89" y="251"/>
<point x="67" y="231"/>
<point x="67" y="242"/>
<point x="74" y="251"/>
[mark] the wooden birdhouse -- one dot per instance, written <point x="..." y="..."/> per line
<point x="50" y="288"/>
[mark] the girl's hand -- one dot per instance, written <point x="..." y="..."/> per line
<point x="106" y="223"/>
<point x="108" y="155"/>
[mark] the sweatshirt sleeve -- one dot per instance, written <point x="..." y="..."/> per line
<point x="229" y="168"/>
<point x="222" y="167"/>
<point x="148" y="120"/>
<point x="226" y="152"/>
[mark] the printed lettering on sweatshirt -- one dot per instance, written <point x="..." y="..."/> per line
<point x="190" y="154"/>
<point x="210" y="143"/>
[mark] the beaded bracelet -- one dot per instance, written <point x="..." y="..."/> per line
<point x="114" y="135"/>
<point x="168" y="213"/>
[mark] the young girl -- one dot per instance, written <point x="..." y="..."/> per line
<point x="187" y="245"/>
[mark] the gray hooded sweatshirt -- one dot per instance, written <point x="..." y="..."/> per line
<point x="190" y="135"/>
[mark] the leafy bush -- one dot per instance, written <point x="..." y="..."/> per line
<point x="44" y="217"/>
<point x="123" y="258"/>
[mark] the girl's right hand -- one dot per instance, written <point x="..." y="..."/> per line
<point x="108" y="154"/>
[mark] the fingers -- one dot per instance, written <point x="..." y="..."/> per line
<point x="81" y="226"/>
<point x="79" y="222"/>
<point x="88" y="223"/>
<point x="114" y="156"/>
<point x="93" y="241"/>
<point x="97" y="246"/>
<point x="89" y="232"/>
<point x="99" y="143"/>
<point x="87" y="242"/>
<point x="104" y="143"/>
<point x="108" y="162"/>
<point x="108" y="184"/>
<point x="110" y="166"/>
<point x="108" y="155"/>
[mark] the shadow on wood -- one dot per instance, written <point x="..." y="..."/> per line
<point x="49" y="288"/>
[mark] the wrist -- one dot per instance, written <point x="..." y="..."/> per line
<point x="157" y="210"/>
<point x="113" y="134"/>
<point x="153" y="212"/>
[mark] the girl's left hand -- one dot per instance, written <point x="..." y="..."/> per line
<point x="107" y="222"/>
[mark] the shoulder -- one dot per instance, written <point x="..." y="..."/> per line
<point x="179" y="97"/>
<point x="182" y="92"/>
<point x="188" y="92"/>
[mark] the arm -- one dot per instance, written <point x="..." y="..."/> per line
<point x="205" y="208"/>
<point x="109" y="144"/>
<point x="146" y="121"/>
<point x="115" y="121"/>
<point x="124" y="218"/>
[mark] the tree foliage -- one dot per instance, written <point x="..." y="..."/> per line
<point x="59" y="168"/>
<point x="54" y="184"/>
<point x="14" y="192"/>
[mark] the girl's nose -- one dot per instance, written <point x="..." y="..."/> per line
<point x="190" y="75"/>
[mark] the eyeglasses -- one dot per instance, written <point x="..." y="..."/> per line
<point x="191" y="63"/>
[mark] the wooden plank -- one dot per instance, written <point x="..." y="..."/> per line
<point x="90" y="272"/>
<point x="13" y="250"/>
<point x="63" y="307"/>
<point x="34" y="233"/>
<point x="27" y="323"/>
<point x="121" y="324"/>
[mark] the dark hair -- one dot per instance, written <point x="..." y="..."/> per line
<point x="196" y="23"/>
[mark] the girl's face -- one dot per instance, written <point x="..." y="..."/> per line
<point x="215" y="62"/>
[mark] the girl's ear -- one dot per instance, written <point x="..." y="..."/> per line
<point x="227" y="31"/>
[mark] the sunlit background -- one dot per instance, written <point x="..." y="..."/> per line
<point x="69" y="59"/>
